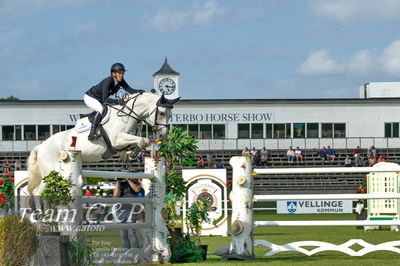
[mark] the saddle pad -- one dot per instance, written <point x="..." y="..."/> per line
<point x="84" y="124"/>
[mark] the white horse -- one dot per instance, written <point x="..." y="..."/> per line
<point x="122" y="124"/>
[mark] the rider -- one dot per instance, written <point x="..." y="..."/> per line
<point x="100" y="93"/>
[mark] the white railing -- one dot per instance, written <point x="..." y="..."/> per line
<point x="242" y="212"/>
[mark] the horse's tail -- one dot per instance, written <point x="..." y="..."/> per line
<point x="33" y="171"/>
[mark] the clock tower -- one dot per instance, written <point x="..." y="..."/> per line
<point x="166" y="80"/>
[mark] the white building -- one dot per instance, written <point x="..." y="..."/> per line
<point x="232" y="124"/>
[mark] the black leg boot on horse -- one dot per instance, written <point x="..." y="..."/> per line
<point x="95" y="126"/>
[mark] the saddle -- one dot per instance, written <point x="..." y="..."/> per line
<point x="85" y="122"/>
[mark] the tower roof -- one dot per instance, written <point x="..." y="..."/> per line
<point x="166" y="69"/>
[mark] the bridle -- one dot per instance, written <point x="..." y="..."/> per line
<point x="155" y="126"/>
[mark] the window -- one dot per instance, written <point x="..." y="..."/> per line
<point x="18" y="132"/>
<point x="205" y="131"/>
<point x="279" y="131"/>
<point x="257" y="131"/>
<point x="333" y="130"/>
<point x="8" y="133"/>
<point x="395" y="130"/>
<point x="43" y="132"/>
<point x="391" y="130"/>
<point x="243" y="131"/>
<point x="29" y="132"/>
<point x="56" y="129"/>
<point x="312" y="130"/>
<point x="339" y="130"/>
<point x="288" y="131"/>
<point x="194" y="131"/>
<point x="70" y="126"/>
<point x="299" y="130"/>
<point x="326" y="130"/>
<point x="268" y="131"/>
<point x="218" y="131"/>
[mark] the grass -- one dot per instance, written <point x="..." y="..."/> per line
<point x="107" y="240"/>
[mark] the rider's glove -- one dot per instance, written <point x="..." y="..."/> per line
<point x="111" y="101"/>
<point x="121" y="102"/>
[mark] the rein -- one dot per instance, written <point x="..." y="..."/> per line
<point x="122" y="113"/>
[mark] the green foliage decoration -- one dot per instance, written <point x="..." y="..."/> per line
<point x="57" y="190"/>
<point x="179" y="148"/>
<point x="80" y="252"/>
<point x="186" y="250"/>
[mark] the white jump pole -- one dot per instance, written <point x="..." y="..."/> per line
<point x="327" y="223"/>
<point x="156" y="190"/>
<point x="329" y="170"/>
<point x="69" y="165"/>
<point x="241" y="246"/>
<point x="258" y="198"/>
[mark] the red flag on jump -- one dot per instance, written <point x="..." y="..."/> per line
<point x="73" y="144"/>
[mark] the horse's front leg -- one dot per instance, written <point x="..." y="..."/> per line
<point x="125" y="140"/>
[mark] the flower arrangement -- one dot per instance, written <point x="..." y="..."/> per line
<point x="6" y="191"/>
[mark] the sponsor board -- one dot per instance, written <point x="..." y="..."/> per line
<point x="314" y="206"/>
<point x="209" y="184"/>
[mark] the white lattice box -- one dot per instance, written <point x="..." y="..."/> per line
<point x="383" y="183"/>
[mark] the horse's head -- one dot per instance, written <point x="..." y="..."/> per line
<point x="153" y="110"/>
<point x="161" y="115"/>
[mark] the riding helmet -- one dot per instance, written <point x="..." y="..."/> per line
<point x="117" y="67"/>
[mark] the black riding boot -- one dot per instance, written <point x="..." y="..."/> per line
<point x="95" y="126"/>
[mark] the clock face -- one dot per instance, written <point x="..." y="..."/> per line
<point x="167" y="86"/>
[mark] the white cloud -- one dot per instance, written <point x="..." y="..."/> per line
<point x="360" y="63"/>
<point x="390" y="58"/>
<point x="356" y="10"/>
<point x="319" y="63"/>
<point x="363" y="62"/>
<point x="169" y="19"/>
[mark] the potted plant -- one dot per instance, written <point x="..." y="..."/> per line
<point x="179" y="149"/>
<point x="186" y="249"/>
<point x="6" y="194"/>
<point x="56" y="193"/>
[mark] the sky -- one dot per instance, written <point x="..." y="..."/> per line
<point x="228" y="49"/>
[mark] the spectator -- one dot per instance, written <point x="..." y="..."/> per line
<point x="264" y="156"/>
<point x="330" y="154"/>
<point x="17" y="165"/>
<point x="219" y="165"/>
<point x="381" y="158"/>
<point x="372" y="152"/>
<point x="253" y="152"/>
<point x="371" y="160"/>
<point x="6" y="167"/>
<point x="347" y="161"/>
<point x="359" y="161"/>
<point x="256" y="159"/>
<point x="209" y="160"/>
<point x="357" y="152"/>
<point x="200" y="161"/>
<point x="128" y="188"/>
<point x="298" y="154"/>
<point x="140" y="156"/>
<point x="246" y="152"/>
<point x="322" y="154"/>
<point x="290" y="155"/>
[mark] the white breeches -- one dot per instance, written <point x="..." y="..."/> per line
<point x="93" y="104"/>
